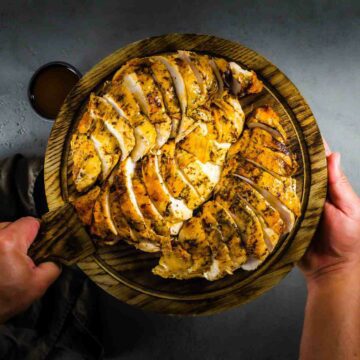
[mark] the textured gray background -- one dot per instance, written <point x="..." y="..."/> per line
<point x="316" y="43"/>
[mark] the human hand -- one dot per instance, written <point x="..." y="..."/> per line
<point x="21" y="281"/>
<point x="335" y="250"/>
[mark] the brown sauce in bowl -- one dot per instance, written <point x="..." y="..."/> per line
<point x="49" y="87"/>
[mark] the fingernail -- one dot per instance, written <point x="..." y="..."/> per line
<point x="327" y="147"/>
<point x="337" y="161"/>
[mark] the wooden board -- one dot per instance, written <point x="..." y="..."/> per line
<point x="125" y="272"/>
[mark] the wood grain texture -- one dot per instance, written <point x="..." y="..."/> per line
<point x="62" y="238"/>
<point x="125" y="272"/>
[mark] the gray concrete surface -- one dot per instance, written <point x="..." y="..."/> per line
<point x="316" y="43"/>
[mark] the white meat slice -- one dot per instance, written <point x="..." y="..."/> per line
<point x="173" y="209"/>
<point x="156" y="114"/>
<point x="125" y="104"/>
<point x="117" y="125"/>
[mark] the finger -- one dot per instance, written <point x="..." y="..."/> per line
<point x="45" y="274"/>
<point x="327" y="148"/>
<point x="22" y="232"/>
<point x="3" y="225"/>
<point x="341" y="193"/>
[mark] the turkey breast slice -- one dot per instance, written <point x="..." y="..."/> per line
<point x="231" y="185"/>
<point x="106" y="146"/>
<point x="185" y="56"/>
<point x="195" y="96"/>
<point x="219" y="79"/>
<point x="203" y="65"/>
<point x="260" y="148"/>
<point x="225" y="242"/>
<point x="143" y="87"/>
<point x="117" y="125"/>
<point x="193" y="239"/>
<point x="282" y="188"/>
<point x="125" y="104"/>
<point x="177" y="79"/>
<point x="176" y="68"/>
<point x="249" y="226"/>
<point x="165" y="83"/>
<point x="202" y="176"/>
<point x="149" y="210"/>
<point x="228" y="120"/>
<point x="174" y="262"/>
<point x="177" y="184"/>
<point x="239" y="81"/>
<point x="173" y="209"/>
<point x="123" y="193"/>
<point x="200" y="143"/>
<point x="86" y="161"/>
<point x="266" y="116"/>
<point x="103" y="224"/>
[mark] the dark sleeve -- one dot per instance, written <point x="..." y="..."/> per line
<point x="21" y="188"/>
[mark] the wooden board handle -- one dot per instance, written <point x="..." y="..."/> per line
<point x="62" y="238"/>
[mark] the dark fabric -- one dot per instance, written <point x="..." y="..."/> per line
<point x="64" y="323"/>
<point x="21" y="188"/>
<point x="9" y="204"/>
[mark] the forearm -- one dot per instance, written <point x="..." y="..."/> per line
<point x="332" y="318"/>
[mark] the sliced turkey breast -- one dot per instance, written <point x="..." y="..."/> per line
<point x="284" y="188"/>
<point x="117" y="125"/>
<point x="267" y="119"/>
<point x="176" y="182"/>
<point x="202" y="176"/>
<point x="165" y="83"/>
<point x="103" y="224"/>
<point x="201" y="65"/>
<point x="201" y="144"/>
<point x="147" y="94"/>
<point x="240" y="81"/>
<point x="86" y="161"/>
<point x="125" y="104"/>
<point x="249" y="227"/>
<point x="173" y="209"/>
<point x="231" y="185"/>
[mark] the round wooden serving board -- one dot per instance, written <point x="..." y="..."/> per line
<point x="125" y="272"/>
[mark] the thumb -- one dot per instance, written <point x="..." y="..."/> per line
<point x="45" y="274"/>
<point x="341" y="193"/>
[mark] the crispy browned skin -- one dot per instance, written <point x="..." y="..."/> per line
<point x="86" y="162"/>
<point x="84" y="205"/>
